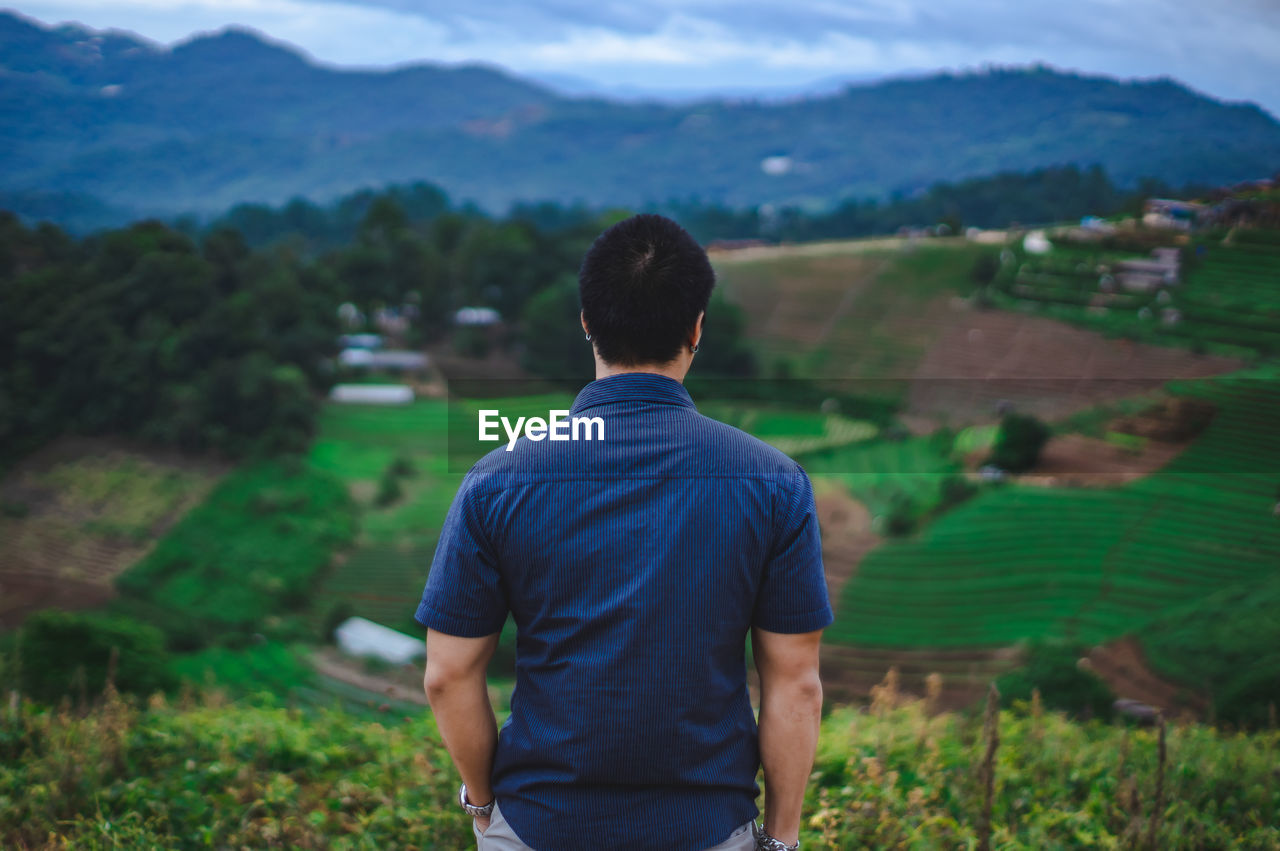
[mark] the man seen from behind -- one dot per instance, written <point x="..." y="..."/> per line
<point x="635" y="567"/>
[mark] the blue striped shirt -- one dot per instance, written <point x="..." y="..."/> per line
<point x="634" y="568"/>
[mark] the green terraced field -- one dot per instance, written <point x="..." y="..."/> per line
<point x="381" y="578"/>
<point x="1229" y="299"/>
<point x="1018" y="561"/>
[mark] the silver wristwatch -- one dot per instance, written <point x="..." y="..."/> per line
<point x="765" y="842"/>
<point x="472" y="810"/>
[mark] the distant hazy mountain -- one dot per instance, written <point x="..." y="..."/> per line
<point x="230" y="117"/>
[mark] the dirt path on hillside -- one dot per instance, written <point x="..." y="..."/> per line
<point x="822" y="249"/>
<point x="404" y="684"/>
<point x="846" y="535"/>
<point x="1124" y="668"/>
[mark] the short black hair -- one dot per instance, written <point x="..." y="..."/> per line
<point x="642" y="285"/>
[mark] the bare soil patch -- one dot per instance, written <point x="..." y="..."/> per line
<point x="21" y="595"/>
<point x="1123" y="666"/>
<point x="1079" y="461"/>
<point x="1041" y="366"/>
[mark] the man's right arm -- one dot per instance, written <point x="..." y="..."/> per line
<point x="790" y="714"/>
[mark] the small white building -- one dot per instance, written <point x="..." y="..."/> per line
<point x="476" y="316"/>
<point x="372" y="394"/>
<point x="360" y="341"/>
<point x="361" y="637"/>
<point x="405" y="361"/>
<point x="1037" y="242"/>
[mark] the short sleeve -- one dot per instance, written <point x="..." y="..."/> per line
<point x="464" y="594"/>
<point x="793" y="589"/>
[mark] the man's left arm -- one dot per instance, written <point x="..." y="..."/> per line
<point x="459" y="697"/>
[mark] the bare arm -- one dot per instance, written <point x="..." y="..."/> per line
<point x="459" y="697"/>
<point x="790" y="713"/>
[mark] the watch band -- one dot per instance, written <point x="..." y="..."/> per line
<point x="765" y="842"/>
<point x="472" y="810"/>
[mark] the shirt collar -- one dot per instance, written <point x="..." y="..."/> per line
<point x="633" y="387"/>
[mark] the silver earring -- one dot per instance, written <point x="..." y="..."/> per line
<point x="588" y="338"/>
<point x="694" y="348"/>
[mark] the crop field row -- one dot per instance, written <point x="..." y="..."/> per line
<point x="1018" y="562"/>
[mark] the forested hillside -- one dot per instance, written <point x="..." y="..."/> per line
<point x="107" y="124"/>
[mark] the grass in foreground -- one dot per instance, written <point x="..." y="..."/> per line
<point x="208" y="773"/>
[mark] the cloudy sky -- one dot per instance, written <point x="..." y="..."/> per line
<point x="1226" y="48"/>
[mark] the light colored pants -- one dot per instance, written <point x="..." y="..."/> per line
<point x="500" y="837"/>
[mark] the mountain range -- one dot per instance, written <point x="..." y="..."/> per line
<point x="108" y="118"/>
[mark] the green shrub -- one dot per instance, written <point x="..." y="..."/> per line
<point x="985" y="268"/>
<point x="1018" y="443"/>
<point x="471" y="342"/>
<point x="1054" y="668"/>
<point x="901" y="517"/>
<point x="389" y="490"/>
<point x="337" y="615"/>
<point x="402" y="465"/>
<point x="63" y="653"/>
<point x="955" y="489"/>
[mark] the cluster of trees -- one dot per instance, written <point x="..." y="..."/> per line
<point x="147" y="333"/>
<point x="218" y="338"/>
<point x="409" y="245"/>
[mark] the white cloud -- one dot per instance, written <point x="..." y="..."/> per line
<point x="1227" y="50"/>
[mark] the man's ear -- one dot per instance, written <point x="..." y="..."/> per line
<point x="697" y="329"/>
<point x="582" y="317"/>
